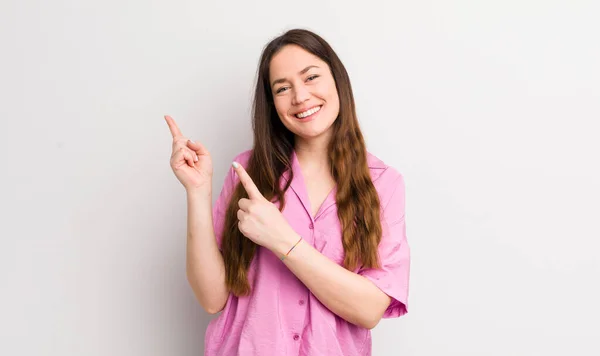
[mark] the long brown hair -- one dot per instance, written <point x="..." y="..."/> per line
<point x="356" y="198"/>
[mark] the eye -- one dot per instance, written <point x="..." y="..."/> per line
<point x="312" y="77"/>
<point x="280" y="90"/>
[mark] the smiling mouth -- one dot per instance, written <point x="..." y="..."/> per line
<point x="308" y="112"/>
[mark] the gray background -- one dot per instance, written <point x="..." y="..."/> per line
<point x="489" y="108"/>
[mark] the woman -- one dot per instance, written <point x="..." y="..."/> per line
<point x="309" y="252"/>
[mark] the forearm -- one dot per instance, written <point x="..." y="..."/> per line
<point x="347" y="294"/>
<point x="204" y="262"/>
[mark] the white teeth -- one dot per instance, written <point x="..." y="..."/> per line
<point x="308" y="112"/>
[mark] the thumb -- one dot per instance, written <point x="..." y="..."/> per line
<point x="197" y="147"/>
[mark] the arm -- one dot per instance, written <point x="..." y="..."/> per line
<point x="363" y="298"/>
<point x="204" y="263"/>
<point x="347" y="294"/>
<point x="192" y="165"/>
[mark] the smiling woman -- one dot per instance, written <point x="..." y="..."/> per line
<point x="305" y="249"/>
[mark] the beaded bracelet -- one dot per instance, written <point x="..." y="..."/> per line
<point x="284" y="256"/>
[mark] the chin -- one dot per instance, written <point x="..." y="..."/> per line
<point x="312" y="133"/>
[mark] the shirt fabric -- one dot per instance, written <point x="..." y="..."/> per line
<point x="281" y="316"/>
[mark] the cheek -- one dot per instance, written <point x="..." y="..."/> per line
<point x="330" y="91"/>
<point x="280" y="106"/>
<point x="333" y="97"/>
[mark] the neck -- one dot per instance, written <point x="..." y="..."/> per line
<point x="313" y="154"/>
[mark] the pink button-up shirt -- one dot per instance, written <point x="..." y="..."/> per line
<point x="281" y="316"/>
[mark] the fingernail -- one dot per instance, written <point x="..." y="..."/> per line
<point x="190" y="141"/>
<point x="235" y="164"/>
<point x="196" y="158"/>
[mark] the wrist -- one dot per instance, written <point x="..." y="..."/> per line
<point x="199" y="193"/>
<point x="286" y="244"/>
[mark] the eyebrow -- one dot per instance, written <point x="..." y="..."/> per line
<point x="281" y="80"/>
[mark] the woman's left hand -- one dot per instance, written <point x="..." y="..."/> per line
<point x="260" y="220"/>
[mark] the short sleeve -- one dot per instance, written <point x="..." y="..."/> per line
<point x="394" y="252"/>
<point x="221" y="204"/>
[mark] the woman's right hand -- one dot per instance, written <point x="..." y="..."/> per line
<point x="190" y="160"/>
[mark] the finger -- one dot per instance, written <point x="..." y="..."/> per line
<point x="244" y="204"/>
<point x="197" y="147"/>
<point x="178" y="158"/>
<point x="173" y="127"/>
<point x="241" y="215"/>
<point x="180" y="143"/>
<point x="192" y="153"/>
<point x="188" y="157"/>
<point x="251" y="189"/>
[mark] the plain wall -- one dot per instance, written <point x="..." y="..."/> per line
<point x="489" y="109"/>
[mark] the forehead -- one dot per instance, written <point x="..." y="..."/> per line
<point x="291" y="59"/>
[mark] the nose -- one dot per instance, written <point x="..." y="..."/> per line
<point x="301" y="94"/>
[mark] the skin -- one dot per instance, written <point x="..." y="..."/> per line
<point x="300" y="81"/>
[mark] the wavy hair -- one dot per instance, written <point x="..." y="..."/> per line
<point x="357" y="200"/>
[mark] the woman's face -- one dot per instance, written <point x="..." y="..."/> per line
<point x="304" y="92"/>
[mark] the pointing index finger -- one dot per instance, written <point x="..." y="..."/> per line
<point x="173" y="127"/>
<point x="251" y="189"/>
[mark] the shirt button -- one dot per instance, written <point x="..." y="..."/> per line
<point x="301" y="302"/>
<point x="311" y="226"/>
<point x="296" y="337"/>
